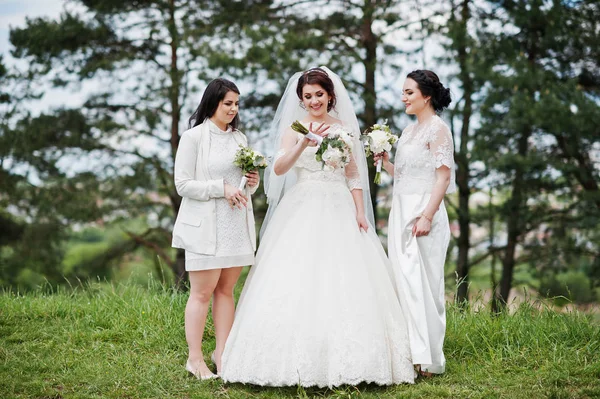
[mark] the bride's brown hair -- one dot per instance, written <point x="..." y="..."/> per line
<point x="317" y="76"/>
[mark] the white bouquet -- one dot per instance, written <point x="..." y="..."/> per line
<point x="248" y="160"/>
<point x="334" y="149"/>
<point x="378" y="139"/>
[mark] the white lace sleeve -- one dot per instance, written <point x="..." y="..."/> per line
<point x="442" y="148"/>
<point x="352" y="175"/>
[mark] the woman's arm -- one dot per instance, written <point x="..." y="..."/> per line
<point x="291" y="148"/>
<point x="438" y="192"/>
<point x="357" y="195"/>
<point x="185" y="167"/>
<point x="442" y="151"/>
<point x="354" y="185"/>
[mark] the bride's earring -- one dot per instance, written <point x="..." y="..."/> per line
<point x="302" y="105"/>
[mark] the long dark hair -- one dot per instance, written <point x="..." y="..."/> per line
<point x="430" y="86"/>
<point x="215" y="93"/>
<point x="317" y="76"/>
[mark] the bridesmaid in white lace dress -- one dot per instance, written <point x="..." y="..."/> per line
<point x="319" y="307"/>
<point x="215" y="223"/>
<point x="419" y="231"/>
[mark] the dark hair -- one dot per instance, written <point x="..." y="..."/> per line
<point x="317" y="76"/>
<point x="430" y="86"/>
<point x="213" y="94"/>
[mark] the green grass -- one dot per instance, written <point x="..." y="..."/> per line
<point x="127" y="341"/>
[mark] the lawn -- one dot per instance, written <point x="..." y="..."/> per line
<point x="104" y="340"/>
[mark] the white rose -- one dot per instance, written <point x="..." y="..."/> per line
<point x="332" y="157"/>
<point x="345" y="136"/>
<point x="380" y="141"/>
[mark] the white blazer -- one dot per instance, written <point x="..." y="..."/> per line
<point x="196" y="224"/>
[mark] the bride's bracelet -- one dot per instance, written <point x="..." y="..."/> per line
<point x="427" y="217"/>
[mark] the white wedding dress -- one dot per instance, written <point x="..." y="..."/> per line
<point x="319" y="307"/>
<point x="419" y="262"/>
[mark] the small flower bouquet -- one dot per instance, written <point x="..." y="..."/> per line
<point x="248" y="160"/>
<point x="334" y="149"/>
<point x="378" y="139"/>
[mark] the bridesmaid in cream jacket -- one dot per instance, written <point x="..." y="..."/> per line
<point x="215" y="223"/>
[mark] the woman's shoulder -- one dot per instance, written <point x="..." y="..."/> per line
<point x="408" y="128"/>
<point x="193" y="132"/>
<point x="438" y="127"/>
<point x="440" y="122"/>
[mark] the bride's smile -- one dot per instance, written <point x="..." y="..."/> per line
<point x="315" y="100"/>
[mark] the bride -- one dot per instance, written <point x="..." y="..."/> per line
<point x="319" y="307"/>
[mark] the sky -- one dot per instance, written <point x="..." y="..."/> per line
<point x="13" y="13"/>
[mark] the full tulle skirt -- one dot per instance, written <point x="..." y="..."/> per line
<point x="319" y="308"/>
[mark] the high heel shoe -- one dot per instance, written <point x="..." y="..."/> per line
<point x="198" y="375"/>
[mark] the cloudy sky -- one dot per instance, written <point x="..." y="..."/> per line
<point x="13" y="13"/>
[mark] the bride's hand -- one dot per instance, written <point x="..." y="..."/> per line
<point x="320" y="130"/>
<point x="362" y="222"/>
<point x="308" y="142"/>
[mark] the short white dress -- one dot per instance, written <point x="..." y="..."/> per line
<point x="234" y="247"/>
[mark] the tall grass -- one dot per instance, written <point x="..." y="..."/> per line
<point x="101" y="340"/>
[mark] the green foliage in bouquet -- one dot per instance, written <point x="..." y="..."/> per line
<point x="334" y="148"/>
<point x="248" y="160"/>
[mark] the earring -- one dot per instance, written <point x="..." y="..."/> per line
<point x="426" y="101"/>
<point x="302" y="105"/>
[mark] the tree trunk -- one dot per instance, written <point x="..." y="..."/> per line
<point x="369" y="41"/>
<point x="463" y="171"/>
<point x="175" y="81"/>
<point x="585" y="169"/>
<point x="492" y="243"/>
<point x="514" y="226"/>
<point x="174" y="92"/>
<point x="179" y="270"/>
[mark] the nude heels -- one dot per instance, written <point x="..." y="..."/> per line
<point x="198" y="375"/>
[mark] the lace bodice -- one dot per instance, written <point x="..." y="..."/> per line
<point x="308" y="168"/>
<point x="422" y="148"/>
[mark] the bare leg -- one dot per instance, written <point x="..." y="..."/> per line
<point x="224" y="309"/>
<point x="202" y="285"/>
